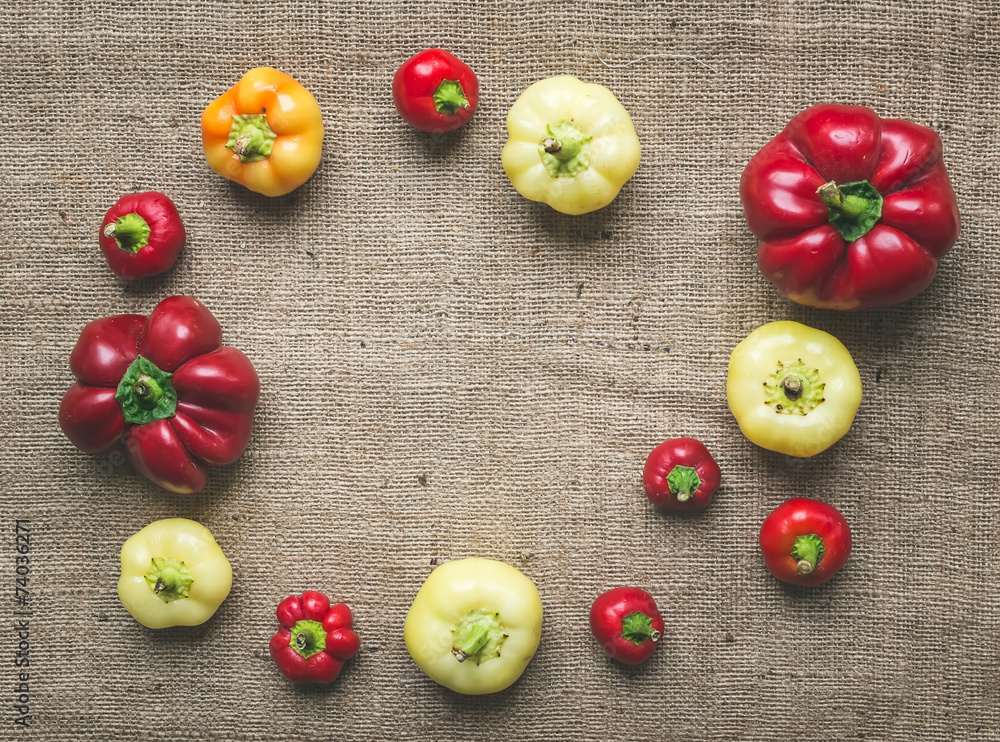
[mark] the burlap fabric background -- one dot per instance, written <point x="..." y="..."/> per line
<point x="450" y="370"/>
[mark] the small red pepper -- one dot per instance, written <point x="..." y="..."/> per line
<point x="627" y="624"/>
<point x="315" y="638"/>
<point x="852" y="211"/>
<point x="681" y="473"/>
<point x="805" y="541"/>
<point x="166" y="389"/>
<point x="141" y="235"/>
<point x="435" y="91"/>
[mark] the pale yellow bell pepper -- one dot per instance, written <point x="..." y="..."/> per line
<point x="572" y="145"/>
<point x="792" y="388"/>
<point x="173" y="574"/>
<point x="474" y="625"/>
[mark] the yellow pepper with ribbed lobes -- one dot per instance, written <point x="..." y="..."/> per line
<point x="265" y="132"/>
<point x="474" y="625"/>
<point x="173" y="574"/>
<point x="792" y="388"/>
<point x="572" y="145"/>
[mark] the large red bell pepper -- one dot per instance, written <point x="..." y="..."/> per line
<point x="852" y="211"/>
<point x="166" y="389"/>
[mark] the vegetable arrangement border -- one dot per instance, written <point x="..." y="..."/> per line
<point x="852" y="212"/>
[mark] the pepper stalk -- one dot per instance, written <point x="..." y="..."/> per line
<point x="129" y="231"/>
<point x="807" y="551"/>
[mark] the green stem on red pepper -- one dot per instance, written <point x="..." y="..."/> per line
<point x="308" y="638"/>
<point x="807" y="551"/>
<point x="854" y="208"/>
<point x="683" y="482"/>
<point x="450" y="97"/>
<point x="129" y="231"/>
<point x="145" y="393"/>
<point x="638" y="627"/>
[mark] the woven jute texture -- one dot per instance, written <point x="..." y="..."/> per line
<point x="449" y="370"/>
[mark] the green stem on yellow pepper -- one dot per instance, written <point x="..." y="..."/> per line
<point x="251" y="137"/>
<point x="478" y="635"/>
<point x="169" y="579"/>
<point x="565" y="151"/>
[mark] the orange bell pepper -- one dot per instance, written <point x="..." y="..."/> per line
<point x="265" y="132"/>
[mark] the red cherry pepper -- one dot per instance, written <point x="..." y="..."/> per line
<point x="435" y="91"/>
<point x="681" y="473"/>
<point x="852" y="211"/>
<point x="627" y="624"/>
<point x="141" y="235"/>
<point x="166" y="389"/>
<point x="314" y="640"/>
<point x="805" y="541"/>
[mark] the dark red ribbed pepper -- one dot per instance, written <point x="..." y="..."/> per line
<point x="164" y="388"/>
<point x="852" y="211"/>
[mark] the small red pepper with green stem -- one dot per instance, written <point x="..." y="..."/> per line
<point x="435" y="91"/>
<point x="627" y="624"/>
<point x="141" y="235"/>
<point x="681" y="473"/>
<point x="804" y="541"/>
<point x="315" y="638"/>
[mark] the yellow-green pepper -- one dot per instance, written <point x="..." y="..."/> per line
<point x="572" y="145"/>
<point x="173" y="574"/>
<point x="474" y="625"/>
<point x="792" y="388"/>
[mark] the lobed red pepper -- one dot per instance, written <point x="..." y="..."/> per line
<point x="315" y="638"/>
<point x="164" y="388"/>
<point x="852" y="211"/>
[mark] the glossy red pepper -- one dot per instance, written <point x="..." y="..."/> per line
<point x="805" y="541"/>
<point x="852" y="211"/>
<point x="314" y="640"/>
<point x="166" y="389"/>
<point x="435" y="91"/>
<point x="627" y="624"/>
<point x="681" y="473"/>
<point x="141" y="235"/>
